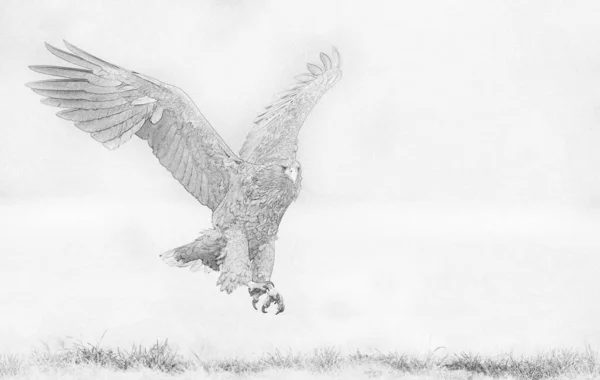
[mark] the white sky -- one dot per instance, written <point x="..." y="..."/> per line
<point x="444" y="177"/>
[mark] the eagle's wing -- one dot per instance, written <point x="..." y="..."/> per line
<point x="112" y="103"/>
<point x="274" y="137"/>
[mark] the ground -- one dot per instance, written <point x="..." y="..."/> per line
<point x="161" y="361"/>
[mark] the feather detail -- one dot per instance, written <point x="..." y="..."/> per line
<point x="74" y="84"/>
<point x="110" y="121"/>
<point x="144" y="100"/>
<point x="94" y="114"/>
<point x="157" y="115"/>
<point x="72" y="58"/>
<point x="274" y="135"/>
<point x="83" y="95"/>
<point x="112" y="104"/>
<point x="124" y="137"/>
<point x="117" y="130"/>
<point x="314" y="69"/>
<point x="326" y="61"/>
<point x="70" y="72"/>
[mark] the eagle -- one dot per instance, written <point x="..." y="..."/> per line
<point x="248" y="193"/>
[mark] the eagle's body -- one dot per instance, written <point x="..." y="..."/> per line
<point x="248" y="194"/>
<point x="256" y="202"/>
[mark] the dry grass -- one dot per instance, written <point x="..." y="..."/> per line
<point x="10" y="365"/>
<point x="161" y="357"/>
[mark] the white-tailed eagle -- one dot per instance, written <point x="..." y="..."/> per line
<point x="247" y="193"/>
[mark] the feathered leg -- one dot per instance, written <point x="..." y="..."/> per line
<point x="262" y="268"/>
<point x="235" y="270"/>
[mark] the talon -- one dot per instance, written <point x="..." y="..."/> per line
<point x="280" y="304"/>
<point x="256" y="290"/>
<point x="266" y="304"/>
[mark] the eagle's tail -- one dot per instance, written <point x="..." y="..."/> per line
<point x="203" y="251"/>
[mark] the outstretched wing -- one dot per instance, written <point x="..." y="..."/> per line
<point x="274" y="137"/>
<point x="112" y="103"/>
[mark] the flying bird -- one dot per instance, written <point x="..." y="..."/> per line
<point x="248" y="192"/>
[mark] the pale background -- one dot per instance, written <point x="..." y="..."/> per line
<point x="451" y="189"/>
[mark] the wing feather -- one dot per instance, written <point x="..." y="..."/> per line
<point x="69" y="72"/>
<point x="83" y="95"/>
<point x="204" y="187"/>
<point x="82" y="115"/>
<point x="99" y="124"/>
<point x="120" y="139"/>
<point x="165" y="144"/>
<point x="192" y="181"/>
<point x="76" y="85"/>
<point x="274" y="137"/>
<point x="72" y="58"/>
<point x="180" y="171"/>
<point x="112" y="104"/>
<point x="170" y="156"/>
<point x="115" y="131"/>
<point x="188" y="172"/>
<point x="177" y="160"/>
<point x="83" y="104"/>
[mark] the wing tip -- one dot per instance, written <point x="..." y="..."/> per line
<point x="326" y="61"/>
<point x="49" y="46"/>
<point x="57" y="51"/>
<point x="314" y="69"/>
<point x="70" y="46"/>
<point x="62" y="114"/>
<point x="111" y="144"/>
<point x="335" y="54"/>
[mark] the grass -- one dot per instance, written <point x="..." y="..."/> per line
<point x="162" y="357"/>
<point x="10" y="365"/>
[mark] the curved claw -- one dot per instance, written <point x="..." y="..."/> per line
<point x="257" y="290"/>
<point x="266" y="305"/>
<point x="280" y="304"/>
<point x="276" y="299"/>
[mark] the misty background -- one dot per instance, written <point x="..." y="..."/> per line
<point x="451" y="190"/>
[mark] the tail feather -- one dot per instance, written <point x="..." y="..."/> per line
<point x="201" y="253"/>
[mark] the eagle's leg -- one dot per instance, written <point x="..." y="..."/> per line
<point x="262" y="268"/>
<point x="235" y="269"/>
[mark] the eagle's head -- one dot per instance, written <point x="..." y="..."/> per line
<point x="284" y="175"/>
<point x="292" y="170"/>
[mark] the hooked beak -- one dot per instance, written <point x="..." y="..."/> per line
<point x="293" y="174"/>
